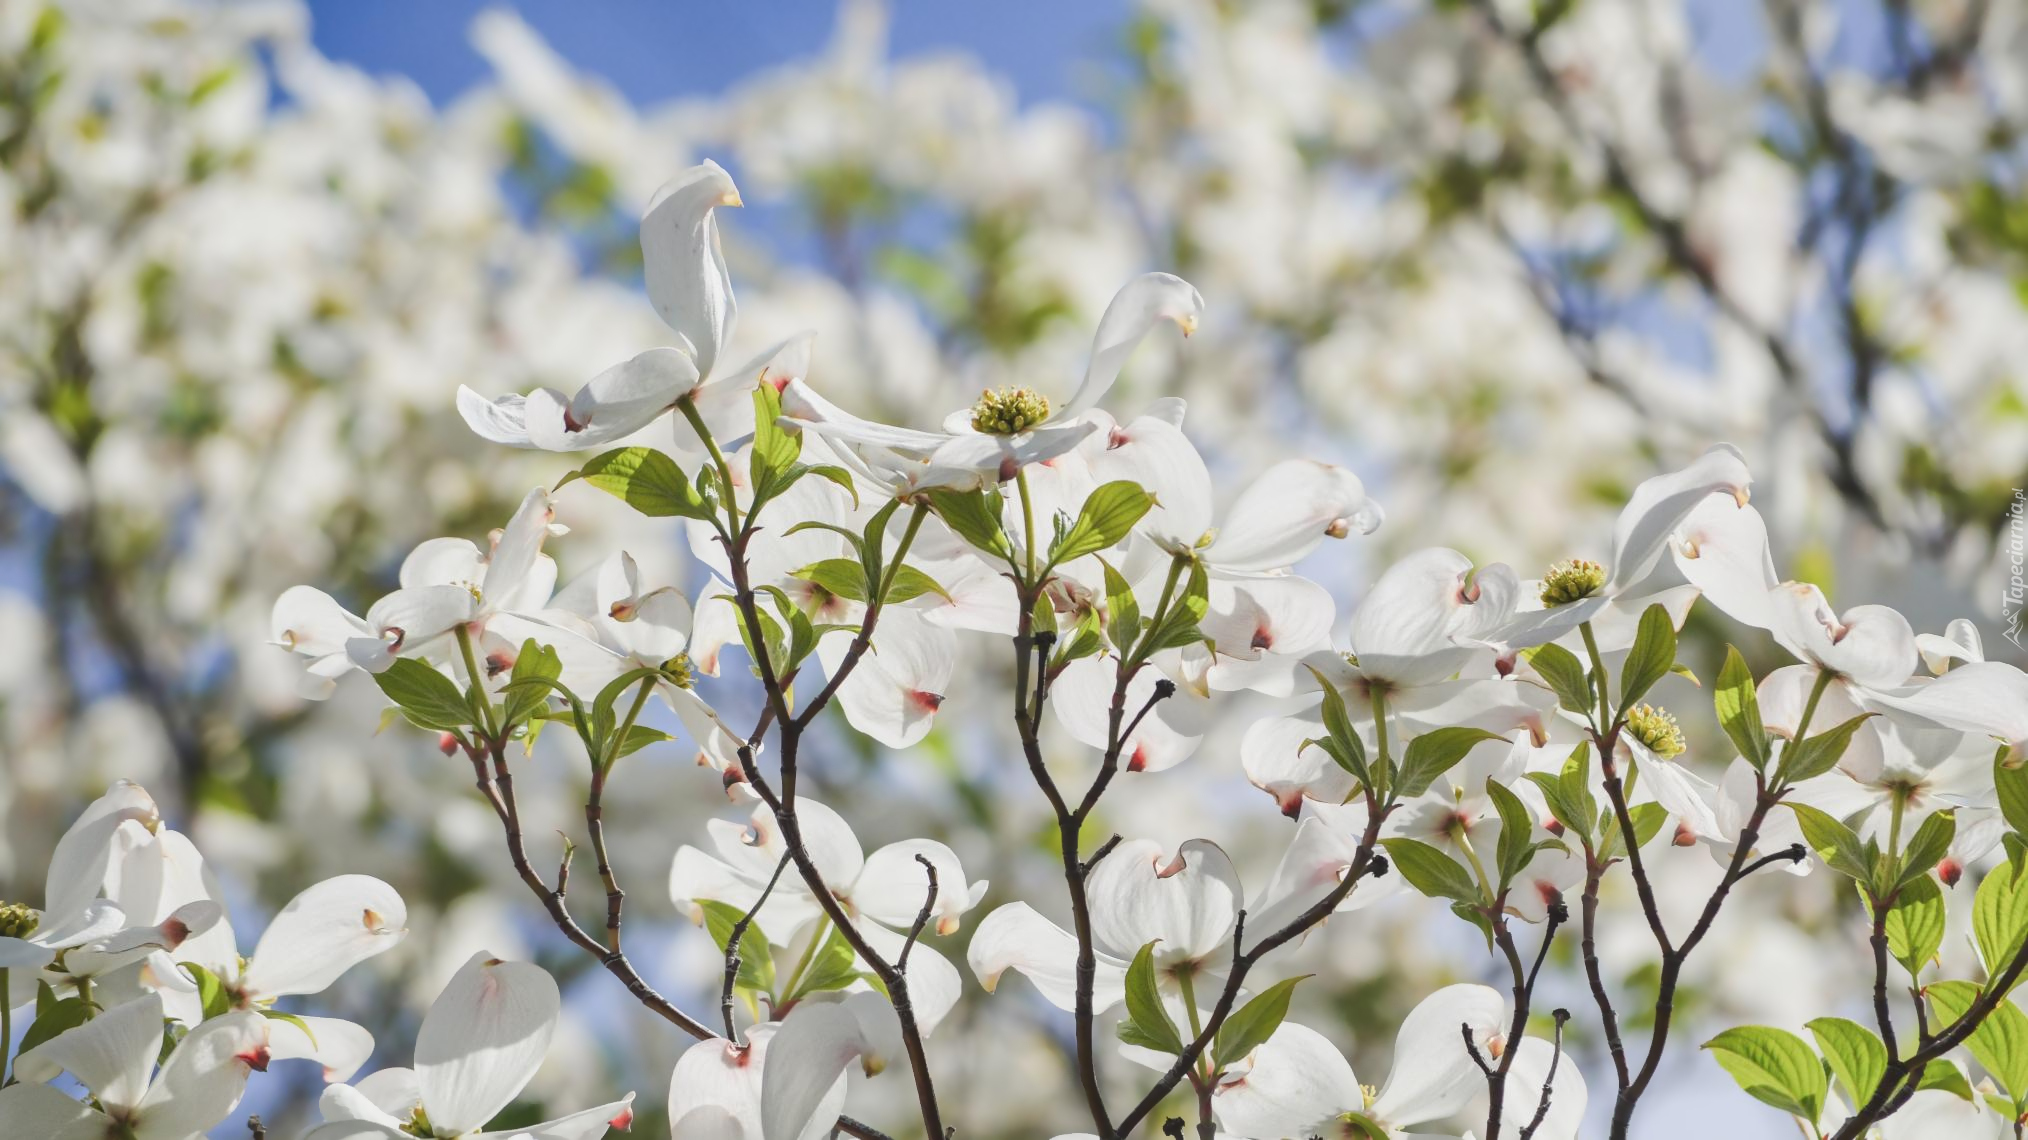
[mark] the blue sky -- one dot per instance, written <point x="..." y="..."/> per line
<point x="652" y="50"/>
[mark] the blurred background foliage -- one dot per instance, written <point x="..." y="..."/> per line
<point x="1505" y="258"/>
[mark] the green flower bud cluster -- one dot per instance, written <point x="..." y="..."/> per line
<point x="1657" y="729"/>
<point x="1567" y="582"/>
<point x="18" y="920"/>
<point x="1009" y="411"/>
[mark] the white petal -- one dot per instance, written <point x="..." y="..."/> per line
<point x="893" y="693"/>
<point x="1290" y="1085"/>
<point x="483" y="1039"/>
<point x="892" y="886"/>
<point x="1160" y="460"/>
<point x="715" y="1090"/>
<point x="934" y="985"/>
<point x="355" y="1130"/>
<point x="1129" y="317"/>
<point x="1873" y="645"/>
<point x="311" y="622"/>
<point x="585" y="1124"/>
<point x="1081" y="697"/>
<point x="1987" y="697"/>
<point x="513" y="580"/>
<point x="1015" y="937"/>
<point x="112" y="1054"/>
<point x="78" y="866"/>
<point x="1722" y="549"/>
<point x="1660" y="504"/>
<point x="1432" y="1074"/>
<point x="1288" y="512"/>
<point x="685" y="269"/>
<point x="1187" y="902"/>
<point x="998" y="457"/>
<point x="499" y="420"/>
<point x="339" y="1046"/>
<point x="443" y="562"/>
<point x="407" y="619"/>
<point x="1276" y="762"/>
<point x="37" y="1112"/>
<point x="389" y="1095"/>
<point x="805" y="1063"/>
<point x="627" y="397"/>
<point x="201" y="1083"/>
<point x="1400" y="632"/>
<point x="325" y="931"/>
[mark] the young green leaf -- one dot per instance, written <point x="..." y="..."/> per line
<point x="834" y="967"/>
<point x="646" y="480"/>
<point x="1256" y="1021"/>
<point x="1738" y="705"/>
<point x="2000" y="916"/>
<point x="1932" y="841"/>
<point x="1819" y="754"/>
<point x="1517" y="831"/>
<point x="1837" y="845"/>
<point x="1565" y="674"/>
<point x="1108" y="514"/>
<point x="1123" y="610"/>
<point x="910" y="583"/>
<point x="1775" y="1067"/>
<point x="2012" y="784"/>
<point x="839" y="577"/>
<point x="1434" y="753"/>
<point x="1915" y="926"/>
<point x="1857" y="1057"/>
<point x="1432" y="872"/>
<point x="974" y="516"/>
<point x="1651" y="658"/>
<point x="756" y="961"/>
<point x="1147" y="1023"/>
<point x="1999" y="1044"/>
<point x="426" y="697"/>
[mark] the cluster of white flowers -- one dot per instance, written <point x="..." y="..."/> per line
<point x="1475" y="285"/>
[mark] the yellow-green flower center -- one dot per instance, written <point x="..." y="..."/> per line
<point x="18" y="920"/>
<point x="1567" y="582"/>
<point x="1008" y="411"/>
<point x="1657" y="729"/>
<point x="418" y="1123"/>
<point x="680" y="671"/>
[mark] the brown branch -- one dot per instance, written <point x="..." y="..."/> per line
<point x="732" y="940"/>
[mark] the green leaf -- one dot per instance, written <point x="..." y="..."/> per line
<point x="1432" y="872"/>
<point x="1775" y="1067"/>
<point x="1517" y="832"/>
<point x="1569" y="793"/>
<point x="1256" y="1021"/>
<point x="1819" y="754"/>
<point x="1653" y="655"/>
<point x="1837" y="845"/>
<point x="646" y="480"/>
<point x="211" y="992"/>
<point x="1941" y="1074"/>
<point x="1915" y="925"/>
<point x="1434" y="753"/>
<point x="1343" y="745"/>
<point x="756" y="961"/>
<point x="834" y="967"/>
<point x="839" y="577"/>
<point x="426" y="697"/>
<point x="638" y="737"/>
<point x="1647" y="819"/>
<point x="52" y="1016"/>
<point x="533" y="666"/>
<point x="1178" y="627"/>
<point x="1738" y="704"/>
<point x="2000" y="916"/>
<point x="974" y="516"/>
<point x="1085" y="641"/>
<point x="1123" y="610"/>
<point x="1932" y="841"/>
<point x="1565" y="674"/>
<point x="1147" y="1020"/>
<point x="1857" y="1057"/>
<point x="836" y="475"/>
<point x="1108" y="514"/>
<point x="775" y="449"/>
<point x="2012" y="784"/>
<point x="1999" y="1044"/>
<point x="910" y="583"/>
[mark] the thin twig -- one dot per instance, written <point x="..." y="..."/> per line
<point x="732" y="940"/>
<point x="1549" y="1080"/>
<point x="929" y="904"/>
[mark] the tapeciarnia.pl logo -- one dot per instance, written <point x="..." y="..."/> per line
<point x="2014" y="601"/>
